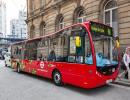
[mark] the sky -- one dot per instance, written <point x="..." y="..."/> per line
<point x="12" y="9"/>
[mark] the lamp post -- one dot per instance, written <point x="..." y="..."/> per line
<point x="21" y="33"/>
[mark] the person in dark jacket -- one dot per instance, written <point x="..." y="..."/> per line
<point x="52" y="56"/>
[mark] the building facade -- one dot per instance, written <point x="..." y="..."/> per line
<point x="2" y="19"/>
<point x="47" y="16"/>
<point x="18" y="27"/>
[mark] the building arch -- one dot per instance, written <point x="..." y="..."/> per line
<point x="42" y="28"/>
<point x="59" y="22"/>
<point x="79" y="15"/>
<point x="32" y="31"/>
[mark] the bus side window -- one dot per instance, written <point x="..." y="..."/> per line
<point x="88" y="51"/>
<point x="76" y="45"/>
<point x="17" y="51"/>
<point x="65" y="48"/>
<point x="52" y="56"/>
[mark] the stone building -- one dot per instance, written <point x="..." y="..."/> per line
<point x="18" y="27"/>
<point x="2" y="19"/>
<point x="48" y="16"/>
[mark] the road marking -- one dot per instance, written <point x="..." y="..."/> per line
<point x="120" y="86"/>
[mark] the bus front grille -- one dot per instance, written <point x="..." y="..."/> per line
<point x="107" y="70"/>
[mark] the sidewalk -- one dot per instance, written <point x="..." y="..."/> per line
<point x="2" y="63"/>
<point x="122" y="81"/>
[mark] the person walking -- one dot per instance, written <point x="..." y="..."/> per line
<point x="125" y="64"/>
<point x="126" y="60"/>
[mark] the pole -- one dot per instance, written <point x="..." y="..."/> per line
<point x="111" y="57"/>
<point x="21" y="33"/>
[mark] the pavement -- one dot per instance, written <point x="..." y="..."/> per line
<point x="122" y="81"/>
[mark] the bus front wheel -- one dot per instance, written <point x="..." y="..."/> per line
<point x="57" y="78"/>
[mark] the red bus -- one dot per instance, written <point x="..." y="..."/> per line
<point x="80" y="55"/>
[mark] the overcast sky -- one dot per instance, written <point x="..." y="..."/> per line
<point x="13" y="7"/>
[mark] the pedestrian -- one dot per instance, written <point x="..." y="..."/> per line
<point x="126" y="64"/>
<point x="52" y="56"/>
<point x="116" y="48"/>
<point x="126" y="60"/>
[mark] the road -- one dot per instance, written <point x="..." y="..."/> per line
<point x="22" y="86"/>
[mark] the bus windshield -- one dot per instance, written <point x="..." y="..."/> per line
<point x="106" y="54"/>
<point x="105" y="51"/>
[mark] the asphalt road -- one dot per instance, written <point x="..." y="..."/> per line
<point x="15" y="86"/>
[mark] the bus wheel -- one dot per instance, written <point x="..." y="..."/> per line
<point x="57" y="78"/>
<point x="5" y="65"/>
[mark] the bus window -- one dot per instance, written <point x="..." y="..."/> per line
<point x="77" y="44"/>
<point x="88" y="51"/>
<point x="43" y="46"/>
<point x="102" y="51"/>
<point x="52" y="56"/>
<point x="58" y="47"/>
<point x="31" y="49"/>
<point x="40" y="46"/>
<point x="72" y="50"/>
<point x="17" y="51"/>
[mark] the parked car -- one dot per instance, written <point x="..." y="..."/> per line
<point x="7" y="57"/>
<point x="1" y="57"/>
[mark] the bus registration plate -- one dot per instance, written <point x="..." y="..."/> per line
<point x="109" y="81"/>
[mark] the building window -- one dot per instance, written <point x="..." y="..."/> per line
<point x="59" y="22"/>
<point x="111" y="15"/>
<point x="32" y="31"/>
<point x="42" y="28"/>
<point x="79" y="15"/>
<point x="43" y="2"/>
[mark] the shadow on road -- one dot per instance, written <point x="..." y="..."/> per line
<point x="91" y="92"/>
<point x="40" y="78"/>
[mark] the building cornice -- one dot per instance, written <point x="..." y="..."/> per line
<point x="123" y="2"/>
<point x="44" y="9"/>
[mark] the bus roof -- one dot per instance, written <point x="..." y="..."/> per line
<point x="37" y="38"/>
<point x="45" y="35"/>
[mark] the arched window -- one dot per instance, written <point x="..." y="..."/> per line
<point x="42" y="28"/>
<point x="79" y="15"/>
<point x="59" y="22"/>
<point x="111" y="15"/>
<point x="32" y="31"/>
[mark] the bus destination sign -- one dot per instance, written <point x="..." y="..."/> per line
<point x="100" y="29"/>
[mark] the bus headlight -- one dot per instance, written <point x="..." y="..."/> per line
<point x="113" y="69"/>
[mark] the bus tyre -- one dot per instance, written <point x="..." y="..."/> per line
<point x="57" y="78"/>
<point x="5" y="65"/>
